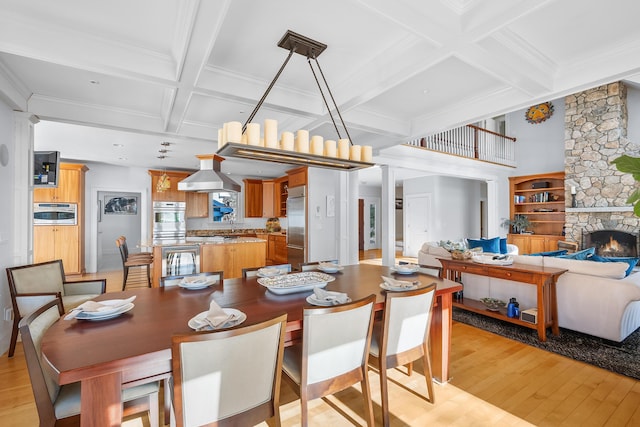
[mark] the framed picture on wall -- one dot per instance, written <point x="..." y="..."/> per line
<point x="120" y="205"/>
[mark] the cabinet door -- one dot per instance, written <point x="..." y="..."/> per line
<point x="268" y="197"/>
<point x="521" y="241"/>
<point x="281" y="256"/>
<point x="68" y="190"/>
<point x="297" y="176"/>
<point x="215" y="257"/>
<point x="537" y="244"/>
<point x="252" y="198"/>
<point x="197" y="204"/>
<point x="44" y="244"/>
<point x="67" y="243"/>
<point x="250" y="255"/>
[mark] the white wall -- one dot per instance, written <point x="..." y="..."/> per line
<point x="633" y="111"/>
<point x="6" y="219"/>
<point x="322" y="229"/>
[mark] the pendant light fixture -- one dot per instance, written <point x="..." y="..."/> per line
<point x="164" y="182"/>
<point x="239" y="141"/>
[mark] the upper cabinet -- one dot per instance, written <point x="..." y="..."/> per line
<point x="70" y="186"/>
<point x="297" y="176"/>
<point x="171" y="192"/>
<point x="253" y="198"/>
<point x="268" y="198"/>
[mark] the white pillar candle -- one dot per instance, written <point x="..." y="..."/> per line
<point x="573" y="190"/>
<point x="220" y="138"/>
<point x="253" y="133"/>
<point x="367" y="153"/>
<point x="287" y="141"/>
<point x="343" y="148"/>
<point x="330" y="148"/>
<point x="356" y="153"/>
<point x="271" y="133"/>
<point x="234" y="132"/>
<point x="224" y="133"/>
<point x="302" y="141"/>
<point x="317" y="145"/>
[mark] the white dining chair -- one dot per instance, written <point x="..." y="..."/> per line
<point x="403" y="337"/>
<point x="55" y="402"/>
<point x="333" y="353"/>
<point x="220" y="379"/>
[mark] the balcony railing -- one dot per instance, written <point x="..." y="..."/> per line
<point x="472" y="142"/>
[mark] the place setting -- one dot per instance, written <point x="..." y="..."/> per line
<point x="216" y="318"/>
<point x="405" y="269"/>
<point x="101" y="310"/>
<point x="330" y="267"/>
<point x="270" y="272"/>
<point x="391" y="284"/>
<point x="197" y="282"/>
<point x="325" y="298"/>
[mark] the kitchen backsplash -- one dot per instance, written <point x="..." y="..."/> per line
<point x="245" y="223"/>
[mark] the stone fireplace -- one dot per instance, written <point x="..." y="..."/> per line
<point x="595" y="134"/>
<point x="612" y="243"/>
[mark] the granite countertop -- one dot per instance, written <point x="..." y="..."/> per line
<point x="190" y="241"/>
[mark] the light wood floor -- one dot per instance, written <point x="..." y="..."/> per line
<point x="496" y="382"/>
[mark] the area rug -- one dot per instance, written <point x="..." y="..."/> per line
<point x="622" y="358"/>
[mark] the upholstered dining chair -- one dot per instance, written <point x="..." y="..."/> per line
<point x="55" y="402"/>
<point x="33" y="285"/>
<point x="310" y="266"/>
<point x="333" y="353"/>
<point x="403" y="337"/>
<point x="253" y="271"/>
<point x="138" y="261"/>
<point x="213" y="276"/>
<point x="220" y="379"/>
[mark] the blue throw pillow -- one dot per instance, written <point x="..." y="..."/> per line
<point x="487" y="245"/>
<point x="551" y="253"/>
<point x="503" y="245"/>
<point x="580" y="255"/>
<point x="629" y="260"/>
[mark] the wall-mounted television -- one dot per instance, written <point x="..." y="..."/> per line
<point x="46" y="168"/>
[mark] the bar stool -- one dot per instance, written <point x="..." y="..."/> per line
<point x="136" y="260"/>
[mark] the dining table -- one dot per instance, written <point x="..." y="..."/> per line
<point x="135" y="347"/>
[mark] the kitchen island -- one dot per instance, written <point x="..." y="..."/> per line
<point x="229" y="254"/>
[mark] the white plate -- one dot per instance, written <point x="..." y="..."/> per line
<point x="311" y="299"/>
<point x="330" y="269"/>
<point x="405" y="269"/>
<point x="296" y="282"/>
<point x="270" y="272"/>
<point x="197" y="321"/>
<point x="99" y="315"/>
<point x="107" y="307"/>
<point x="388" y="287"/>
<point x="200" y="284"/>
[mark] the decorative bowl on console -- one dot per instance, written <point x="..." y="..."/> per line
<point x="493" y="304"/>
<point x="456" y="254"/>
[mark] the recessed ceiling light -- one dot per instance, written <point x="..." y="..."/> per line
<point x="94" y="82"/>
<point x="118" y="145"/>
<point x="426" y="91"/>
<point x="122" y="158"/>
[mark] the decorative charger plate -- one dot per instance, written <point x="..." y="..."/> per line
<point x="295" y="282"/>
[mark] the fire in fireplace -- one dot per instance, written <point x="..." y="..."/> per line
<point x="612" y="243"/>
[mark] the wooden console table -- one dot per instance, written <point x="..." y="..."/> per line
<point x="544" y="278"/>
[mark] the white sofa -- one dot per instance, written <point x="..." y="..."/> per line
<point x="593" y="298"/>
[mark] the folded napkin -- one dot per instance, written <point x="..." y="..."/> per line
<point x="96" y="306"/>
<point x="400" y="284"/>
<point x="216" y="316"/>
<point x="330" y="296"/>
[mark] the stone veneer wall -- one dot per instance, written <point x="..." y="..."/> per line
<point x="595" y="134"/>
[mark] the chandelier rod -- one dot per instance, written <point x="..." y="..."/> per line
<point x="273" y="82"/>
<point x="315" y="58"/>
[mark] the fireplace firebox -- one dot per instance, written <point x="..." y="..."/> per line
<point x="612" y="243"/>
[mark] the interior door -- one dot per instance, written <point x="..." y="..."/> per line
<point x="118" y="215"/>
<point x="417" y="212"/>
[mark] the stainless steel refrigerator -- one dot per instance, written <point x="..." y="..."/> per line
<point x="297" y="226"/>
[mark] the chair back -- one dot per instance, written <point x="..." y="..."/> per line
<point x="406" y="320"/>
<point x="212" y="276"/>
<point x="32" y="329"/>
<point x="121" y="243"/>
<point x="220" y="377"/>
<point x="335" y="340"/>
<point x="42" y="281"/>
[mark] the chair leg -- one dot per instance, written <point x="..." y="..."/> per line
<point x="303" y="413"/>
<point x="366" y="394"/>
<point x="154" y="412"/>
<point x="384" y="395"/>
<point x="125" y="275"/>
<point x="149" y="275"/>
<point x="428" y="375"/>
<point x="167" y="401"/>
<point x="409" y="368"/>
<point x="14" y="335"/>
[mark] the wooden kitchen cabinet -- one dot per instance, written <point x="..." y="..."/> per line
<point x="281" y="192"/>
<point x="278" y="248"/>
<point x="51" y="242"/>
<point x="65" y="242"/>
<point x="268" y="198"/>
<point x="172" y="194"/>
<point x="197" y="204"/>
<point x="231" y="258"/>
<point x="297" y="176"/>
<point x="253" y="198"/>
<point x="532" y="243"/>
<point x="70" y="186"/>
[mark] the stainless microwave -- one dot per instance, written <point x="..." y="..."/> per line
<point x="55" y="214"/>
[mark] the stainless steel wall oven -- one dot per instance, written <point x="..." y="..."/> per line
<point x="169" y="221"/>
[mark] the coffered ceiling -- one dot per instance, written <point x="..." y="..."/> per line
<point x="136" y="73"/>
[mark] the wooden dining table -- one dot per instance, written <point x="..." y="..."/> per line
<point x="135" y="347"/>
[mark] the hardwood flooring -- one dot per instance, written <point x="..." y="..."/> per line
<point x="496" y="381"/>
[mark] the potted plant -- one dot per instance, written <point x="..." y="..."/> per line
<point x="628" y="164"/>
<point x="519" y="223"/>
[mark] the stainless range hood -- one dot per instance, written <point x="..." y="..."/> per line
<point x="208" y="179"/>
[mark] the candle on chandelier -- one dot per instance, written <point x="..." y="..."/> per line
<point x="253" y="133"/>
<point x="302" y="141"/>
<point x="317" y="145"/>
<point x="286" y="142"/>
<point x="367" y="153"/>
<point x="343" y="149"/>
<point x="234" y="132"/>
<point x="330" y="148"/>
<point x="271" y="133"/>
<point x="356" y="153"/>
